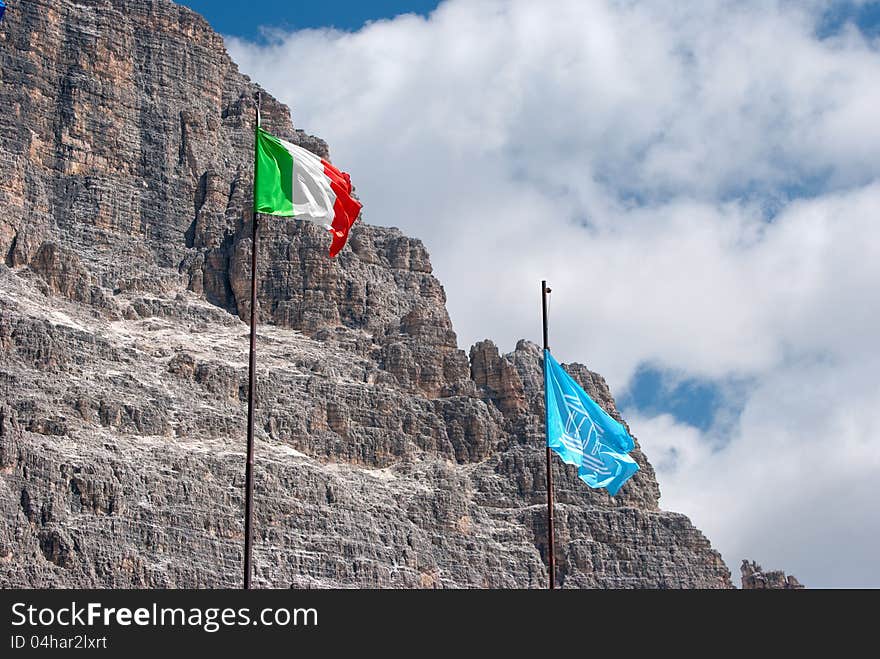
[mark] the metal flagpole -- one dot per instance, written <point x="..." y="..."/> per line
<point x="249" y="465"/>
<point x="551" y="551"/>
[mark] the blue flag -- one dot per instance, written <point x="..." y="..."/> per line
<point x="2" y="9"/>
<point x="583" y="434"/>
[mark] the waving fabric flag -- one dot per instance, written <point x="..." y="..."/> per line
<point x="293" y="182"/>
<point x="583" y="434"/>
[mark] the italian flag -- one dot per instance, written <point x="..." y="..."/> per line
<point x="290" y="181"/>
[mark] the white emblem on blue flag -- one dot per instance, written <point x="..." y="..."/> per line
<point x="581" y="434"/>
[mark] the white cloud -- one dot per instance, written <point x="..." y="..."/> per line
<point x="796" y="487"/>
<point x="631" y="153"/>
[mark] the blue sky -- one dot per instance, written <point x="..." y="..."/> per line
<point x="727" y="157"/>
<point x="695" y="401"/>
<point x="864" y="14"/>
<point x="245" y="20"/>
<point x="228" y="17"/>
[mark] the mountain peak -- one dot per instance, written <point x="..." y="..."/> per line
<point x="386" y="456"/>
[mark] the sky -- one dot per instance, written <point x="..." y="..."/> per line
<point x="699" y="182"/>
<point x="228" y="17"/>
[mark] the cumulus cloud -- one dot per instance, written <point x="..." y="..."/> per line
<point x="698" y="181"/>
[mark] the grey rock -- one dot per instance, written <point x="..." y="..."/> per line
<point x="755" y="578"/>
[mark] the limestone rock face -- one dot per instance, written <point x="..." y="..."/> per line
<point x="755" y="578"/>
<point x="497" y="378"/>
<point x="386" y="457"/>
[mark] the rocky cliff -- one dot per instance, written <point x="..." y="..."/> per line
<point x="386" y="456"/>
<point x="755" y="578"/>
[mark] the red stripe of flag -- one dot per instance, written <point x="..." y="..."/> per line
<point x="346" y="208"/>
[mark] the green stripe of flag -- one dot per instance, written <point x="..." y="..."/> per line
<point x="273" y="176"/>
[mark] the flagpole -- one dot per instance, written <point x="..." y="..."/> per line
<point x="551" y="551"/>
<point x="249" y="465"/>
